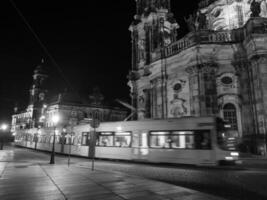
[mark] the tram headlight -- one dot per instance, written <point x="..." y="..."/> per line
<point x="234" y="154"/>
<point x="229" y="158"/>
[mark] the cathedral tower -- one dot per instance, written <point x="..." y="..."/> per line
<point x="153" y="29"/>
<point x="37" y="93"/>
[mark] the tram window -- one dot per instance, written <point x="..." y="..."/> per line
<point x="160" y="139"/>
<point x="69" y="139"/>
<point x="85" y="138"/>
<point x="135" y="140"/>
<point x="122" y="139"/>
<point x="189" y="142"/>
<point x="79" y="140"/>
<point x="75" y="140"/>
<point x="202" y="140"/>
<point x="182" y="139"/>
<point x="105" y="139"/>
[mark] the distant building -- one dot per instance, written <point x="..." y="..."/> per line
<point x="73" y="110"/>
<point x="218" y="69"/>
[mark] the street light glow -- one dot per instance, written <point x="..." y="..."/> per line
<point x="55" y="119"/>
<point x="4" y="127"/>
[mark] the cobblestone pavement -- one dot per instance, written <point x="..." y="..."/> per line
<point x="26" y="175"/>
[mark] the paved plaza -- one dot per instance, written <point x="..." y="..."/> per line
<point x="27" y="175"/>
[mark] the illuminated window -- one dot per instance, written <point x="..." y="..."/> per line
<point x="181" y="139"/>
<point x="105" y="139"/>
<point x="160" y="139"/>
<point x="85" y="138"/>
<point x="122" y="139"/>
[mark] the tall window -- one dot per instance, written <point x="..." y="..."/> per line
<point x="229" y="114"/>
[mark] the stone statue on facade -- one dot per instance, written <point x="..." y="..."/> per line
<point x="201" y="21"/>
<point x="178" y="108"/>
<point x="196" y="21"/>
<point x="141" y="47"/>
<point x="255" y="8"/>
<point x="191" y="23"/>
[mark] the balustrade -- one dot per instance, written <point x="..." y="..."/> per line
<point x="216" y="37"/>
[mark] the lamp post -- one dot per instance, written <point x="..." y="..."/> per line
<point x="3" y="128"/>
<point x="55" y="120"/>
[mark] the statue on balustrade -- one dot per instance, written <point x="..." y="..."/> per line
<point x="196" y="21"/>
<point x="255" y="8"/>
<point x="201" y="21"/>
<point x="191" y="23"/>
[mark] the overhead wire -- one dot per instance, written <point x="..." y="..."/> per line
<point x="69" y="85"/>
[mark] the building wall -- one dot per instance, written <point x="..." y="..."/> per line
<point x="219" y="71"/>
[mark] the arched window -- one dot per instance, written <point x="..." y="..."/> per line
<point x="229" y="114"/>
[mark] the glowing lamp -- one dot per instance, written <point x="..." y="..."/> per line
<point x="4" y="127"/>
<point x="55" y="119"/>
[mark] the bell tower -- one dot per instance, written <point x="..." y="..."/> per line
<point x="37" y="93"/>
<point x="153" y="27"/>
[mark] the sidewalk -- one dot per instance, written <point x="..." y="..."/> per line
<point x="41" y="181"/>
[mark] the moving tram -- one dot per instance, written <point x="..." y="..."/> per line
<point x="190" y="140"/>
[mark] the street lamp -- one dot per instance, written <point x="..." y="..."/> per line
<point x="55" y="120"/>
<point x="3" y="128"/>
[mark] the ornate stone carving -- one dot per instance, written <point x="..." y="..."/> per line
<point x="147" y="71"/>
<point x="178" y="107"/>
<point x="134" y="76"/>
<point x="255" y="8"/>
<point x="192" y="70"/>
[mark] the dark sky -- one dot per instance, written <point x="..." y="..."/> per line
<point x="89" y="40"/>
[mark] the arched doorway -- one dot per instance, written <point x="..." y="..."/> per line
<point x="230" y="115"/>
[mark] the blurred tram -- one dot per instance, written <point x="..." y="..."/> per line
<point x="190" y="140"/>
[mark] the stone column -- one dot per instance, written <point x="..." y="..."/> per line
<point x="194" y="90"/>
<point x="245" y="93"/>
<point x="258" y="71"/>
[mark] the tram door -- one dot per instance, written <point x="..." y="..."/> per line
<point x="140" y="145"/>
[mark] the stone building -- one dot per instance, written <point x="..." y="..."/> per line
<point x="73" y="109"/>
<point x="218" y="69"/>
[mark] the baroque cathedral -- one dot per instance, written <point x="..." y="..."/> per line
<point x="218" y="69"/>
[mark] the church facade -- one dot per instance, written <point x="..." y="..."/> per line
<point x="218" y="69"/>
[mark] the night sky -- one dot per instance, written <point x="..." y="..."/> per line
<point x="89" y="40"/>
